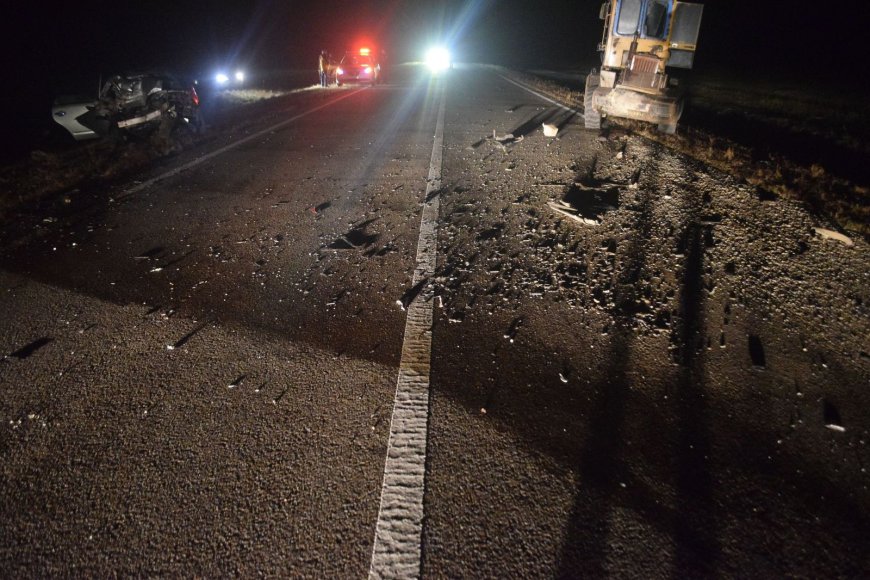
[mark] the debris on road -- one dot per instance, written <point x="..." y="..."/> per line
<point x="832" y="417"/>
<point x="318" y="209"/>
<point x="550" y="130"/>
<point x="756" y="352"/>
<point x="28" y="350"/>
<point x="504" y="141"/>
<point x="186" y="338"/>
<point x="504" y="138"/>
<point x="354" y="239"/>
<point x="570" y="212"/>
<point x="512" y="330"/>
<point x="411" y="293"/>
<point x="586" y="204"/>
<point x="277" y="400"/>
<point x="832" y="235"/>
<point x="457" y="317"/>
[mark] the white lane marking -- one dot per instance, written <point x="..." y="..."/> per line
<point x="540" y="96"/>
<point x="397" y="552"/>
<point x="148" y="183"/>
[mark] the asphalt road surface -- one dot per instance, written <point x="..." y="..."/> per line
<point x="201" y="361"/>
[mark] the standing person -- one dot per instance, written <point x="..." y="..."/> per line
<point x="323" y="66"/>
<point x="382" y="64"/>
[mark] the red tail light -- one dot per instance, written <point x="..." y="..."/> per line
<point x="194" y="96"/>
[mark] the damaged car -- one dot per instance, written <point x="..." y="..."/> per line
<point x="131" y="103"/>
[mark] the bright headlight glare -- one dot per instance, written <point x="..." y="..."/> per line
<point x="438" y="58"/>
<point x="221" y="78"/>
<point x="240" y="76"/>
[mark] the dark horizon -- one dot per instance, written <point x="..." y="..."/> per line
<point x="105" y="37"/>
<point x="71" y="47"/>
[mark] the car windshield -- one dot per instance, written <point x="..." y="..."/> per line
<point x="357" y="60"/>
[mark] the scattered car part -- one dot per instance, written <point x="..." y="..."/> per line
<point x="75" y="114"/>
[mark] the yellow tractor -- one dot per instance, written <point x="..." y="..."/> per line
<point x="642" y="39"/>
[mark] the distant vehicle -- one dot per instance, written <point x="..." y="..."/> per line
<point x="641" y="39"/>
<point x="130" y="103"/>
<point x="229" y="77"/>
<point x="438" y="59"/>
<point x="360" y="66"/>
<point x="223" y="79"/>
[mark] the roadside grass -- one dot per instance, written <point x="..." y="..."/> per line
<point x="837" y="116"/>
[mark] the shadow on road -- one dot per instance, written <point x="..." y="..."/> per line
<point x="561" y="118"/>
<point x="697" y="548"/>
<point x="602" y="469"/>
<point x="652" y="451"/>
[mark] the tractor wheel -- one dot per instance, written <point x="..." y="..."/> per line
<point x="591" y="116"/>
<point x="670" y="127"/>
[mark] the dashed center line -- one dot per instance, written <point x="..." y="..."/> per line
<point x="397" y="551"/>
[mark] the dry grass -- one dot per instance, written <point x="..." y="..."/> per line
<point x="234" y="97"/>
<point x="47" y="173"/>
<point x="839" y="200"/>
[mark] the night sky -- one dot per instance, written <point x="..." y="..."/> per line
<point x="75" y="37"/>
<point x="65" y="48"/>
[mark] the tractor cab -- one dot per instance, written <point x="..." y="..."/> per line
<point x="641" y="40"/>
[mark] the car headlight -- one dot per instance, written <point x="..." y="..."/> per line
<point x="339" y="71"/>
<point x="438" y="58"/>
<point x="240" y="76"/>
<point x="368" y="70"/>
<point x="221" y="78"/>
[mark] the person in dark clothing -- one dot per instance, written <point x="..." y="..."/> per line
<point x="323" y="66"/>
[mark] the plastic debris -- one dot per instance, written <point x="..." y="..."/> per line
<point x="411" y="293"/>
<point x="832" y="235"/>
